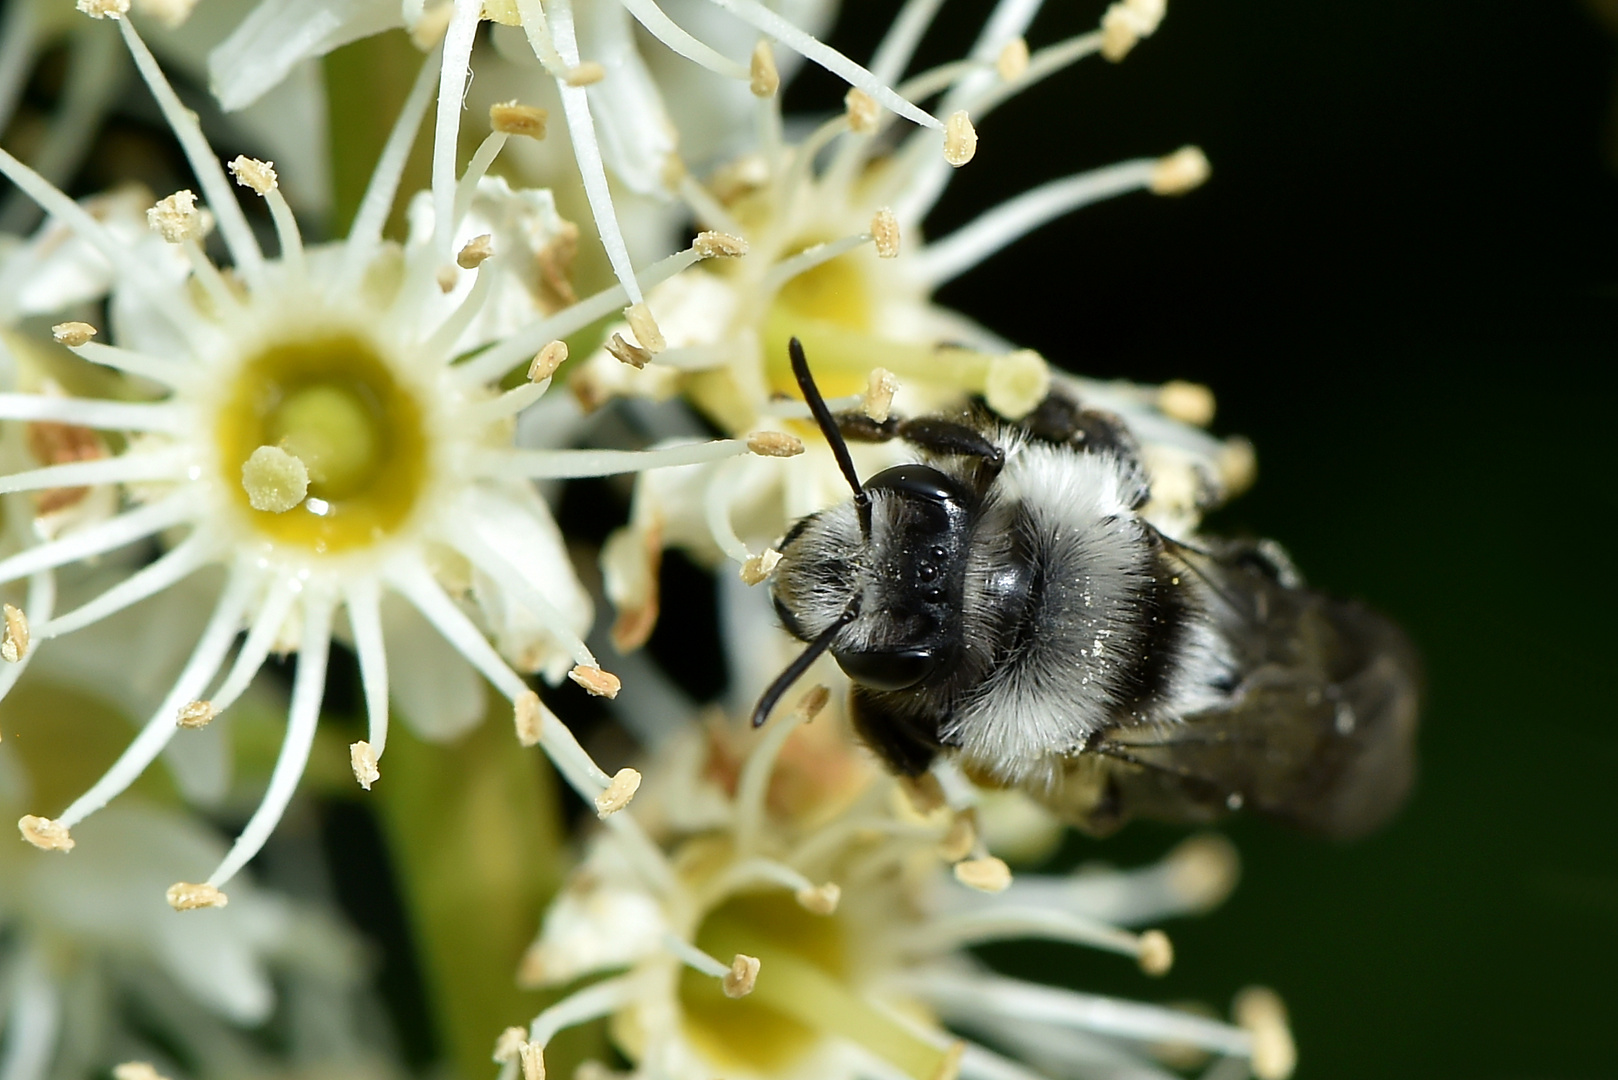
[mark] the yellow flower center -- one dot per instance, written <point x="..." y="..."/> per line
<point x="332" y="402"/>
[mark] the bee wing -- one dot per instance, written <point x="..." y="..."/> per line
<point x="1319" y="732"/>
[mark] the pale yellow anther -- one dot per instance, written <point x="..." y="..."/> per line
<point x="547" y="360"/>
<point x="743" y="974"/>
<point x="820" y="900"/>
<point x="585" y="74"/>
<point x="961" y="839"/>
<point x="104" y="9"/>
<point x="645" y="328"/>
<point x="1238" y="465"/>
<point x="45" y="834"/>
<point x="985" y="874"/>
<point x="429" y="29"/>
<point x="960" y="138"/>
<point x="170" y="13"/>
<point x="627" y="352"/>
<point x="763" y="78"/>
<point x="15" y="645"/>
<point x="529" y="717"/>
<point x="813" y="702"/>
<point x="362" y="759"/>
<point x="879" y="391"/>
<point x="177" y="218"/>
<point x="1155" y="952"/>
<point x="253" y="173"/>
<point x="774" y="444"/>
<point x="885" y="234"/>
<point x="711" y="244"/>
<point x="1188" y="402"/>
<point x="760" y="566"/>
<point x="508" y="1044"/>
<point x="1261" y="1011"/>
<point x="1017" y="383"/>
<point x="1203" y="870"/>
<point x="1182" y="171"/>
<point x="446" y="276"/>
<point x="275" y="481"/>
<point x="136" y="1070"/>
<point x="73" y="334"/>
<point x="185" y="896"/>
<point x="532" y="1057"/>
<point x="924" y="793"/>
<point x="514" y="118"/>
<point x="616" y="795"/>
<point x="195" y="715"/>
<point x="475" y="251"/>
<point x="597" y="682"/>
<point x="1012" y="63"/>
<point x="863" y="111"/>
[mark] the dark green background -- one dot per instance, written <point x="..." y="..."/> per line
<point x="1401" y="284"/>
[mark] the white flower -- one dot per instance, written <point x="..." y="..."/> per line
<point x="799" y="918"/>
<point x="313" y="426"/>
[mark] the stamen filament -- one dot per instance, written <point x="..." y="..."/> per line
<point x="157" y="368"/>
<point x="286" y="231"/>
<point x="707" y="210"/>
<point x="33" y="1017"/>
<point x="438" y="347"/>
<point x="753" y="784"/>
<point x="694" y="958"/>
<point x="491" y="562"/>
<point x="168" y="464"/>
<point x="510" y="403"/>
<point x="899" y="43"/>
<point x="453" y="71"/>
<point x="90" y="413"/>
<point x="106" y="536"/>
<point x="664" y="29"/>
<point x="476" y="169"/>
<point x="213" y="282"/>
<point x="261" y="638"/>
<point x="578" y="464"/>
<point x="365" y="619"/>
<point x="39" y="605"/>
<point x="1003" y="922"/>
<point x="177" y="564"/>
<point x="809" y="258"/>
<point x="19" y="38"/>
<point x="716" y="502"/>
<point x="596" y="1000"/>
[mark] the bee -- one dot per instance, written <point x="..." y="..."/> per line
<point x="1003" y="600"/>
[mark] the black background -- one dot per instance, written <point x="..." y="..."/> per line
<point x="1400" y="284"/>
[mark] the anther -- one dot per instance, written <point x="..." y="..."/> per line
<point x="547" y="360"/>
<point x="1261" y="1011"/>
<point x="812" y="703"/>
<point x="585" y="74"/>
<point x="196" y="715"/>
<point x="879" y="391"/>
<point x="756" y="569"/>
<point x="275" y="481"/>
<point x="627" y="353"/>
<point x="774" y="444"/>
<point x="532" y="1057"/>
<point x="475" y="252"/>
<point x="362" y="759"/>
<point x="1188" y="402"/>
<point x="885" y="234"/>
<point x="1125" y="23"/>
<point x="45" y="834"/>
<point x="104" y="9"/>
<point x="985" y="874"/>
<point x="512" y="118"/>
<point x="1017" y="383"/>
<point x="171" y="13"/>
<point x="924" y="793"/>
<point x="253" y="173"/>
<point x="743" y="973"/>
<point x="646" y="330"/>
<point x="711" y="244"/>
<point x="508" y="1044"/>
<point x="1182" y="171"/>
<point x="763" y="78"/>
<point x="1238" y="465"/>
<point x="446" y="277"/>
<point x="185" y="896"/>
<point x="177" y="218"/>
<point x="73" y="334"/>
<point x="1155" y="952"/>
<point x="136" y="1070"/>
<point x="597" y="682"/>
<point x="529" y="717"/>
<point x="961" y="839"/>
<point x="15" y="645"/>
<point x="960" y="138"/>
<point x="863" y="111"/>
<point x="820" y="900"/>
<point x="616" y="795"/>
<point x="429" y="29"/>
<point x="1012" y="63"/>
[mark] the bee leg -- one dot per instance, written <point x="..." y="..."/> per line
<point x="897" y="739"/>
<point x="944" y="438"/>
<point x="1060" y="419"/>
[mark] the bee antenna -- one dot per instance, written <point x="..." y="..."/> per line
<point x="834" y="437"/>
<point x="794" y="671"/>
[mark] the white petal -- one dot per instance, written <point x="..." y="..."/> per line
<point x="277" y="36"/>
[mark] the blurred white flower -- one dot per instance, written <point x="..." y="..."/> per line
<point x="306" y="424"/>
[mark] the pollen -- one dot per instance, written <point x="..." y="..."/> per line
<point x="529" y="718"/>
<point x="1188" y="402"/>
<point x="774" y="444"/>
<point x="253" y="173"/>
<point x="760" y="566"/>
<point x="547" y="360"/>
<point x="104" y="9"/>
<point x="363" y="761"/>
<point x="597" y="682"/>
<point x="513" y="118"/>
<point x="1184" y="170"/>
<point x="1012" y="63"/>
<point x="196" y="715"/>
<point x="1261" y="1011"/>
<point x="820" y="900"/>
<point x="646" y="330"/>
<point x="885" y="233"/>
<point x="15" y="645"/>
<point x="430" y="27"/>
<point x="742" y="976"/>
<point x="862" y="110"/>
<point x="1238" y="465"/>
<point x="185" y="896"/>
<point x="136" y="1070"/>
<point x="45" y="834"/>
<point x="1155" y="953"/>
<point x="879" y="391"/>
<point x="961" y="839"/>
<point x="627" y="353"/>
<point x="477" y="249"/>
<point x="532" y="1057"/>
<point x="178" y="218"/>
<point x="616" y="795"/>
<point x="508" y="1044"/>
<point x="812" y="703"/>
<point x="985" y="874"/>
<point x="763" y="78"/>
<point x="711" y="244"/>
<point x="274" y="480"/>
<point x="960" y="138"/>
<point x="73" y="334"/>
<point x="585" y="74"/>
<point x="1017" y="383"/>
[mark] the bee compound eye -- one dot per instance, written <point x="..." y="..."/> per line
<point x="896" y="669"/>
